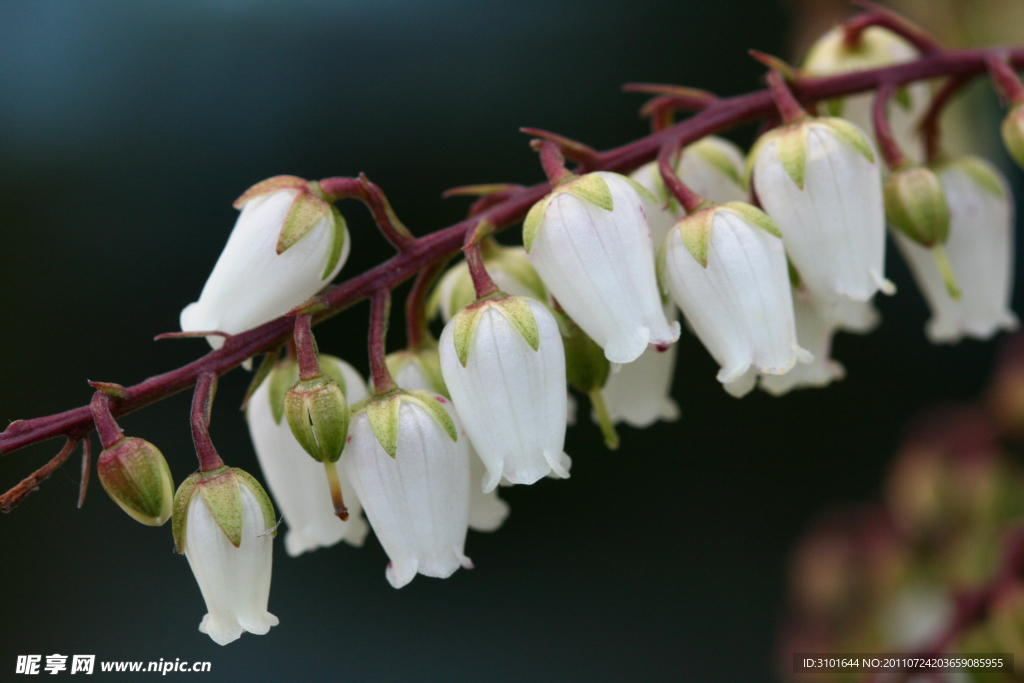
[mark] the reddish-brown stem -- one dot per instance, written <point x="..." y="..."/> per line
<point x="490" y="195"/>
<point x="929" y="125"/>
<point x="572" y="149"/>
<point x="1005" y="79"/>
<point x="202" y="407"/>
<point x="13" y="498"/>
<point x="417" y="327"/>
<point x="690" y="200"/>
<point x="788" y="107"/>
<point x="878" y="15"/>
<point x="110" y="433"/>
<point x="887" y="145"/>
<point x="305" y="347"/>
<point x="552" y="161"/>
<point x="662" y="110"/>
<point x="423" y="251"/>
<point x="83" y="485"/>
<point x="482" y="282"/>
<point x="373" y="197"/>
<point x="380" y="306"/>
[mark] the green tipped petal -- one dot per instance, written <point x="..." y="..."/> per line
<point x="981" y="172"/>
<point x="791" y="146"/>
<point x="754" y="216"/>
<point x="219" y="489"/>
<point x="465" y="328"/>
<point x="640" y="189"/>
<point x="517" y="311"/>
<point x="432" y="405"/>
<point x="306" y="211"/>
<point x="339" y="233"/>
<point x="533" y="221"/>
<point x="269" y="516"/>
<point x="382" y="411"/>
<point x="848" y="133"/>
<point x="695" y="231"/>
<point x="179" y="513"/>
<point x="592" y="188"/>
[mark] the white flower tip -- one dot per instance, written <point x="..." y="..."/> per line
<point x="728" y="375"/>
<point x="357" y="531"/>
<point x="625" y="351"/>
<point x="464" y="561"/>
<point x="560" y="463"/>
<point x="488" y="515"/>
<point x="399" y="577"/>
<point x="742" y="385"/>
<point x="493" y="477"/>
<point x="885" y="286"/>
<point x="803" y="355"/>
<point x="222" y="634"/>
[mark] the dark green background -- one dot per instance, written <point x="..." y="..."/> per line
<point x="127" y="129"/>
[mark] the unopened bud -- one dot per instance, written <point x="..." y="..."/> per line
<point x="318" y="415"/>
<point x="136" y="476"/>
<point x="1013" y="133"/>
<point x="916" y="205"/>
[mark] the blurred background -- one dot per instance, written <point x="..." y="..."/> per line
<point x="126" y="131"/>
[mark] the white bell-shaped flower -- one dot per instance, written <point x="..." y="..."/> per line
<point x="411" y="473"/>
<point x="510" y="269"/>
<point x="819" y="180"/>
<point x="877" y="47"/>
<point x="726" y="269"/>
<point x="224" y="524"/>
<point x="590" y="243"/>
<point x="980" y="251"/>
<point x="813" y="333"/>
<point x="296" y="480"/>
<point x="712" y="167"/>
<point x="504" y="363"/>
<point x="286" y="246"/>
<point x="487" y="512"/>
<point x="638" y="392"/>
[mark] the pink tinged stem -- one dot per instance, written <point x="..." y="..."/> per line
<point x="380" y="305"/>
<point x="202" y="405"/>
<point x="373" y="197"/>
<point x="1005" y="79"/>
<point x="305" y="347"/>
<point x="690" y="200"/>
<point x="417" y="327"/>
<point x="110" y="433"/>
<point x="552" y="161"/>
<point x="929" y="125"/>
<point x="883" y="17"/>
<point x="482" y="282"/>
<point x="83" y="487"/>
<point x="785" y="102"/>
<point x="891" y="152"/>
<point x="12" y="498"/>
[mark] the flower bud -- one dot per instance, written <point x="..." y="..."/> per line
<point x="819" y="180"/>
<point x="590" y="243"/>
<point x="980" y="253"/>
<point x="510" y="269"/>
<point x="287" y="244"/>
<point x="1013" y="133"/>
<point x="877" y="47"/>
<point x="916" y="205"/>
<point x="411" y="472"/>
<point x="504" y="364"/>
<point x="295" y="480"/>
<point x="136" y="476"/>
<point x="317" y="413"/>
<point x="418" y="369"/>
<point x="224" y="524"/>
<point x="726" y="269"/>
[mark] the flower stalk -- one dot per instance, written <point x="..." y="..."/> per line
<point x="202" y="406"/>
<point x="380" y="307"/>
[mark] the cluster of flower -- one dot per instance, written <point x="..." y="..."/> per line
<point x="423" y="452"/>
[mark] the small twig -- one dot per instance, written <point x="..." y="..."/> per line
<point x="380" y="307"/>
<point x="881" y="16"/>
<point x="572" y="149"/>
<point x="305" y="347"/>
<point x="202" y="408"/>
<point x="490" y="195"/>
<point x="887" y="145"/>
<point x="417" y="327"/>
<point x="191" y="335"/>
<point x="776" y="64"/>
<point x="1005" y="79"/>
<point x="482" y="282"/>
<point x="13" y="498"/>
<point x="108" y="429"/>
<point x="83" y="486"/>
<point x="690" y="200"/>
<point x="785" y="102"/>
<point x="929" y="124"/>
<point x="553" y="162"/>
<point x="373" y="197"/>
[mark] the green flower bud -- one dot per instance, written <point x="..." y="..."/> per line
<point x="586" y="367"/>
<point x="135" y="475"/>
<point x="318" y="415"/>
<point x="916" y="205"/>
<point x="1013" y="133"/>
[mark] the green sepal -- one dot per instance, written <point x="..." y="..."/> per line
<point x="432" y="405"/>
<point x="135" y="475"/>
<point x="915" y="204"/>
<point x="754" y="216"/>
<point x="339" y="233"/>
<point x="427" y="359"/>
<point x="706" y="149"/>
<point x="262" y="372"/>
<point x="848" y="133"/>
<point x="464" y="329"/>
<point x="592" y="188"/>
<point x="903" y="98"/>
<point x="305" y="212"/>
<point x="586" y="367"/>
<point x="533" y="221"/>
<point x="517" y="311"/>
<point x="794" y="275"/>
<point x="695" y="231"/>
<point x="835" y="107"/>
<point x="219" y="489"/>
<point x="791" y="148"/>
<point x="660" y="265"/>
<point x="640" y="189"/>
<point x="179" y="513"/>
<point x="270" y="185"/>
<point x="111" y="389"/>
<point x="382" y="412"/>
<point x="269" y="516"/>
<point x="318" y="416"/>
<point x="282" y="378"/>
<point x="980" y="171"/>
<point x="331" y="366"/>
